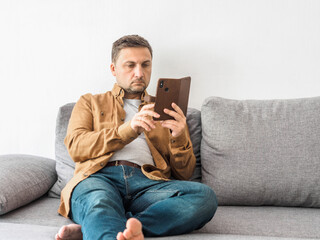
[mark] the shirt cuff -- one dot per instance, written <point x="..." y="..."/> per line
<point x="181" y="140"/>
<point x="126" y="133"/>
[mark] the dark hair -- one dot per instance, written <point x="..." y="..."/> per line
<point x="126" y="42"/>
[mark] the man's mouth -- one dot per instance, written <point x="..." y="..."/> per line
<point x="138" y="82"/>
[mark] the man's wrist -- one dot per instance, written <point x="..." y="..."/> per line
<point x="126" y="132"/>
<point x="180" y="140"/>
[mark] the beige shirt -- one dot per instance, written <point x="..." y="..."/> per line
<point x="97" y="129"/>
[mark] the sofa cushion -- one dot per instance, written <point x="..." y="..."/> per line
<point x="24" y="178"/>
<point x="14" y="231"/>
<point x="41" y="212"/>
<point x="65" y="165"/>
<point x="207" y="236"/>
<point x="289" y="222"/>
<point x="262" y="152"/>
<point x="34" y="232"/>
<point x="194" y="125"/>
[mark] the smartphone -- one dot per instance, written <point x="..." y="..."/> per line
<point x="171" y="90"/>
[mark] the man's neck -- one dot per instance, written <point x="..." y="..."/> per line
<point x="132" y="95"/>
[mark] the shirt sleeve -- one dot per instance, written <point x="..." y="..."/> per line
<point x="182" y="159"/>
<point x="84" y="143"/>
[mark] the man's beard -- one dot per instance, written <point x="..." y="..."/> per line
<point x="131" y="90"/>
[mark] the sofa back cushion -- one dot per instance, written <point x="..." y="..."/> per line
<point x="65" y="165"/>
<point x="262" y="152"/>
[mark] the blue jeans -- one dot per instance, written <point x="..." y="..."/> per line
<point x="103" y="202"/>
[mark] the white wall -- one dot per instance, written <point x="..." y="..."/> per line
<point x="51" y="52"/>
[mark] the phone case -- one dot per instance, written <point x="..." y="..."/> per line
<point x="171" y="90"/>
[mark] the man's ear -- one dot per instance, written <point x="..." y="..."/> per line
<point x="113" y="69"/>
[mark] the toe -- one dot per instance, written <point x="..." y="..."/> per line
<point x="57" y="237"/>
<point x="127" y="234"/>
<point x="120" y="236"/>
<point x="135" y="226"/>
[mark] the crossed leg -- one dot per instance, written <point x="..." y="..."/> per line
<point x="163" y="207"/>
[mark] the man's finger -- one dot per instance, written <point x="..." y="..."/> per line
<point x="149" y="122"/>
<point x="177" y="108"/>
<point x="144" y="125"/>
<point x="173" y="123"/>
<point x="149" y="113"/>
<point x="173" y="114"/>
<point x="148" y="106"/>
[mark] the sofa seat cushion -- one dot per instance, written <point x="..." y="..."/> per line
<point x="42" y="212"/>
<point x="40" y="220"/>
<point x="24" y="178"/>
<point x="262" y="152"/>
<point x="207" y="236"/>
<point x="15" y="231"/>
<point x="287" y="222"/>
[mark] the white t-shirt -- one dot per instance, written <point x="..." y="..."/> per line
<point x="138" y="150"/>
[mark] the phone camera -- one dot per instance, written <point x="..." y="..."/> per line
<point x="161" y="84"/>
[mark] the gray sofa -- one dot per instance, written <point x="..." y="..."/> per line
<point x="262" y="158"/>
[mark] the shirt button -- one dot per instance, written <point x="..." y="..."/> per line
<point x="122" y="119"/>
<point x="173" y="141"/>
<point x="102" y="113"/>
<point x="102" y="164"/>
<point x="85" y="174"/>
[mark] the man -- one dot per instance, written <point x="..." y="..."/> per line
<point x="123" y="185"/>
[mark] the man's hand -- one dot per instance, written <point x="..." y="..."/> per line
<point x="143" y="119"/>
<point x="179" y="123"/>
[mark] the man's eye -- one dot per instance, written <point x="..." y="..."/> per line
<point x="145" y="65"/>
<point x="130" y="65"/>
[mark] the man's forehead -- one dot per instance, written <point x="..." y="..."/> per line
<point x="135" y="54"/>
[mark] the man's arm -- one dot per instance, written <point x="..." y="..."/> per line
<point x="182" y="159"/>
<point x="84" y="143"/>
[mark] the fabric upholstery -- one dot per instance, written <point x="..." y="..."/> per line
<point x="205" y="236"/>
<point x="34" y="232"/>
<point x="24" y="178"/>
<point x="194" y="125"/>
<point x="262" y="152"/>
<point x="41" y="215"/>
<point x="65" y="165"/>
<point x="293" y="222"/>
<point x="12" y="231"/>
<point x="41" y="212"/>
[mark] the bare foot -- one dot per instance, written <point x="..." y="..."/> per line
<point x="132" y="232"/>
<point x="69" y="232"/>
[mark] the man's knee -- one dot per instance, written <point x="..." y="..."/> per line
<point x="205" y="200"/>
<point x="211" y="201"/>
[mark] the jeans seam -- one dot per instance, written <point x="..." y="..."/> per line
<point x="162" y="191"/>
<point x="126" y="183"/>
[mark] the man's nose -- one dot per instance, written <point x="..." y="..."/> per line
<point x="138" y="71"/>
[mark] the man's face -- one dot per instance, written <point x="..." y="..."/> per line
<point x="132" y="69"/>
